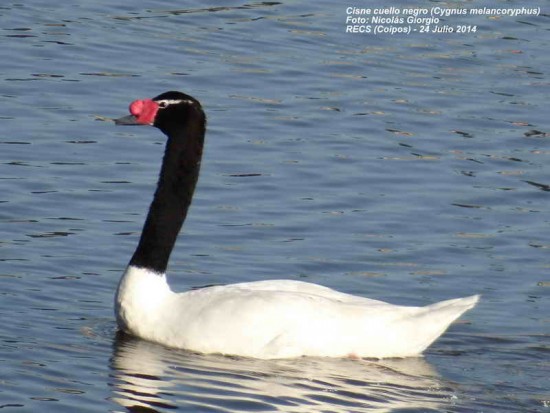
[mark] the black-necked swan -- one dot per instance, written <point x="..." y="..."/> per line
<point x="262" y="319"/>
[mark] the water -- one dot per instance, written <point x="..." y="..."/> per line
<point x="404" y="168"/>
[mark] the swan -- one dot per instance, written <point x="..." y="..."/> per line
<point x="263" y="319"/>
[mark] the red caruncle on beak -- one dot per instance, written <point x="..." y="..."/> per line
<point x="144" y="111"/>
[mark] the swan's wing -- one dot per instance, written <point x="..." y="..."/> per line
<point x="274" y="319"/>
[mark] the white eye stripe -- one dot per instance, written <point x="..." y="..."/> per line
<point x="167" y="102"/>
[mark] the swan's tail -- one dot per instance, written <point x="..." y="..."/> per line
<point x="459" y="305"/>
<point x="432" y="321"/>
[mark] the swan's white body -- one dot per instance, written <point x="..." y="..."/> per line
<point x="277" y="319"/>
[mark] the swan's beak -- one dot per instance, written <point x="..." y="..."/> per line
<point x="127" y="120"/>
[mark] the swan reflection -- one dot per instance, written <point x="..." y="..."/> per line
<point x="150" y="378"/>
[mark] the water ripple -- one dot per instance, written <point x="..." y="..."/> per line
<point x="152" y="376"/>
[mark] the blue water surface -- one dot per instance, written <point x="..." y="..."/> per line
<point x="408" y="168"/>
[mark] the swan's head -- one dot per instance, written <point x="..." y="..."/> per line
<point x="166" y="111"/>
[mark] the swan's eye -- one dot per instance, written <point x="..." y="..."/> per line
<point x="163" y="104"/>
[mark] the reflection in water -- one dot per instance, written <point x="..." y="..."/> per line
<point x="149" y="377"/>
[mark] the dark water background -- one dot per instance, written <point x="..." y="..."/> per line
<point x="405" y="168"/>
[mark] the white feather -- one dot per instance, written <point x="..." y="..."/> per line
<point x="278" y="319"/>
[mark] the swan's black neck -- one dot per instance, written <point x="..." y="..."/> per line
<point x="185" y="129"/>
